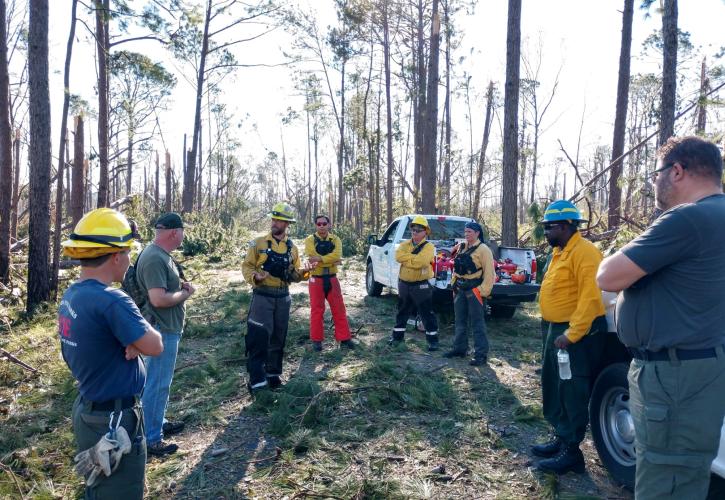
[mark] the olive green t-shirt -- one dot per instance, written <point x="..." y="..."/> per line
<point x="156" y="269"/>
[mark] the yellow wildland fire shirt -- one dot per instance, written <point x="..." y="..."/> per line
<point x="256" y="256"/>
<point x="483" y="259"/>
<point x="329" y="261"/>
<point x="415" y="267"/>
<point x="569" y="292"/>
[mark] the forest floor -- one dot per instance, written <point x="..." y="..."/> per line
<point x="376" y="422"/>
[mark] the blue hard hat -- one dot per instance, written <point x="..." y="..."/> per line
<point x="562" y="210"/>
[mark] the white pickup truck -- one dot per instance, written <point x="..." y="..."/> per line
<point x="446" y="231"/>
<point x="610" y="421"/>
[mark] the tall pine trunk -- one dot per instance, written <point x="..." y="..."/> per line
<point x="482" y="155"/>
<point x="428" y="170"/>
<point x="79" y="174"/>
<point x="40" y="156"/>
<point x="669" y="71"/>
<point x="620" y="118"/>
<point x="102" y="48"/>
<point x="509" y="226"/>
<point x="388" y="119"/>
<point x="6" y="153"/>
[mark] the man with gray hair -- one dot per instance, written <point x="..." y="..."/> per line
<point x="671" y="316"/>
<point x="160" y="277"/>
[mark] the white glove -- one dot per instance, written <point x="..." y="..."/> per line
<point x="95" y="460"/>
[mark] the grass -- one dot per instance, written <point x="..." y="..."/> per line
<point x="377" y="422"/>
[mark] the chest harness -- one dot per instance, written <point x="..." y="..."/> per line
<point x="278" y="264"/>
<point x="324" y="247"/>
<point x="463" y="264"/>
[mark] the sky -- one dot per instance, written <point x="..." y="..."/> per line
<point x="581" y="39"/>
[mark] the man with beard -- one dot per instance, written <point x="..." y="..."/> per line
<point x="671" y="316"/>
<point x="271" y="264"/>
<point x="572" y="319"/>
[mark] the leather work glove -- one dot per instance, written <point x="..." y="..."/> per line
<point x="103" y="457"/>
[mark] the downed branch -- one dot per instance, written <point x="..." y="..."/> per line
<point x="15" y="360"/>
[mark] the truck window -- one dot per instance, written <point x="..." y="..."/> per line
<point x="442" y="230"/>
<point x="388" y="235"/>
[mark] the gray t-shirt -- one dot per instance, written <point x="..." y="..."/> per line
<point x="156" y="269"/>
<point x="681" y="301"/>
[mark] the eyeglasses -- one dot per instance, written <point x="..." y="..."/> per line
<point x="321" y="224"/>
<point x="417" y="230"/>
<point x="655" y="173"/>
<point x="551" y="225"/>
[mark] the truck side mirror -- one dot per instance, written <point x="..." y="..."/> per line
<point x="372" y="239"/>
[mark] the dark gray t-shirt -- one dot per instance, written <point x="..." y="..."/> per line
<point x="681" y="301"/>
<point x="156" y="269"/>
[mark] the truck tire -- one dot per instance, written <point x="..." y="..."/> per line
<point x="611" y="423"/>
<point x="373" y="288"/>
<point x="502" y="312"/>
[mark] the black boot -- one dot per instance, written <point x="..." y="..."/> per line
<point x="548" y="450"/>
<point x="570" y="459"/>
<point x="274" y="382"/>
<point x="432" y="342"/>
<point x="455" y="354"/>
<point x="397" y="337"/>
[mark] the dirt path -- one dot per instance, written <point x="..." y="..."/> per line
<point x="391" y="423"/>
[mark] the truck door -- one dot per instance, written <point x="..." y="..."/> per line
<point x="383" y="254"/>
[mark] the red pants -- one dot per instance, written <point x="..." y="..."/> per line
<point x="317" y="310"/>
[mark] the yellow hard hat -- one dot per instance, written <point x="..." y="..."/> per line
<point x="282" y="211"/>
<point x="421" y="221"/>
<point x="99" y="232"/>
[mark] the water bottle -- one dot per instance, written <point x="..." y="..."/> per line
<point x="564" y="368"/>
<point x="449" y="275"/>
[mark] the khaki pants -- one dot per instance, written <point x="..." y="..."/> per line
<point x="127" y="482"/>
<point x="677" y="408"/>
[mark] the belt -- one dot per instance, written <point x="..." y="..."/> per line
<point x="664" y="354"/>
<point x="110" y="405"/>
<point x="324" y="275"/>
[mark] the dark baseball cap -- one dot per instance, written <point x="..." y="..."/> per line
<point x="171" y="220"/>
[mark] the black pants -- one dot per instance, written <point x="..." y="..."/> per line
<point x="267" y="324"/>
<point x="412" y="297"/>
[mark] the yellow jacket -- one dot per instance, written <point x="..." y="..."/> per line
<point x="415" y="267"/>
<point x="329" y="261"/>
<point x="483" y="258"/>
<point x="569" y="292"/>
<point x="256" y="256"/>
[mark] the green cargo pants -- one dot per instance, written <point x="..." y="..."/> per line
<point x="566" y="402"/>
<point x="127" y="482"/>
<point x="677" y="408"/>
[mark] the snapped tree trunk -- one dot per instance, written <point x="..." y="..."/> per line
<point x="6" y="153"/>
<point x="156" y="182"/>
<point x="169" y="186"/>
<point x="428" y="172"/>
<point x="78" y="194"/>
<point x="509" y="227"/>
<point x="620" y="118"/>
<point x="40" y="156"/>
<point x="669" y="71"/>
<point x="102" y="48"/>
<point x="187" y="202"/>
<point x="484" y="147"/>
<point x="702" y="103"/>
<point x="16" y="186"/>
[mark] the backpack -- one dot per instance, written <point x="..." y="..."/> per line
<point x="132" y="288"/>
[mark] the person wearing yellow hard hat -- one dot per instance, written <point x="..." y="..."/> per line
<point x="272" y="262"/>
<point x="102" y="333"/>
<point x="414" y="291"/>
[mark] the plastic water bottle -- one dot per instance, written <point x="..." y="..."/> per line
<point x="449" y="275"/>
<point x="564" y="368"/>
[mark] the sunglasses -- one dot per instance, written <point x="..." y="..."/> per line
<point x="551" y="225"/>
<point x="321" y="224"/>
<point x="417" y="230"/>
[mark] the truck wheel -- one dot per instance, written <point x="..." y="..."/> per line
<point x="373" y="288"/>
<point x="503" y="312"/>
<point x="612" y="425"/>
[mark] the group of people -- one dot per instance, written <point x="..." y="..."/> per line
<point x="670" y="314"/>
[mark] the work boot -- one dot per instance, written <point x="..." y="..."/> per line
<point x="317" y="346"/>
<point x="432" y="342"/>
<point x="570" y="459"/>
<point x="347" y="344"/>
<point x="274" y="382"/>
<point x="161" y="449"/>
<point x="255" y="388"/>
<point x="478" y="361"/>
<point x="549" y="449"/>
<point x="397" y="337"/>
<point x="455" y="354"/>
<point x="171" y="428"/>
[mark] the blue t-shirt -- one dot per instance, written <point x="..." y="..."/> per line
<point x="95" y="324"/>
